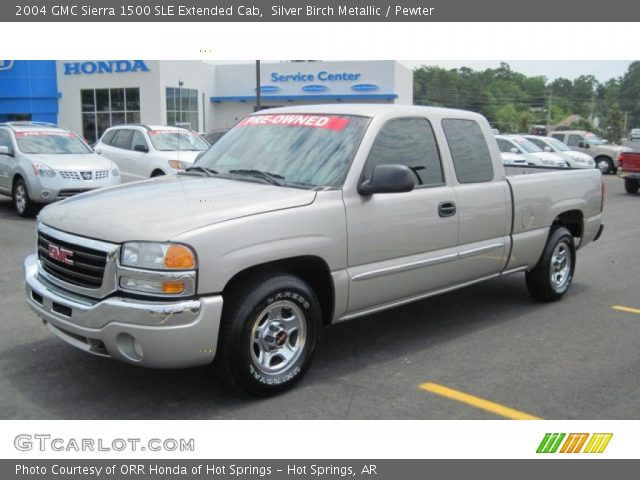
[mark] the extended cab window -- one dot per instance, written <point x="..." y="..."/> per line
<point x="410" y="142"/>
<point x="123" y="139"/>
<point x="469" y="151"/>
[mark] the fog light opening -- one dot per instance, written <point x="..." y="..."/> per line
<point x="129" y="347"/>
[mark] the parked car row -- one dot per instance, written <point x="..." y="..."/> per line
<point x="42" y="162"/>
<point x="566" y="148"/>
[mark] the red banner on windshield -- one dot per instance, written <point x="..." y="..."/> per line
<point x="313" y="121"/>
<point x="43" y="134"/>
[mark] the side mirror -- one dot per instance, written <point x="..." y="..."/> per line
<point x="5" y="151"/>
<point x="388" y="179"/>
<point x="141" y="148"/>
<point x="547" y="149"/>
<point x="514" y="150"/>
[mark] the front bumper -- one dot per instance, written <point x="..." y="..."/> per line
<point x="47" y="190"/>
<point x="172" y="334"/>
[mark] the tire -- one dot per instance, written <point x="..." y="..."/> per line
<point x="550" y="279"/>
<point x="21" y="200"/>
<point x="605" y="165"/>
<point x="631" y="185"/>
<point x="157" y="173"/>
<point x="268" y="334"/>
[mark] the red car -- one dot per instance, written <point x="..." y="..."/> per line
<point x="629" y="169"/>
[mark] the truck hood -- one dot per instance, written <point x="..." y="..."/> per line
<point x="79" y="162"/>
<point x="162" y="208"/>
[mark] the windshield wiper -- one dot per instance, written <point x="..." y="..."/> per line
<point x="272" y="178"/>
<point x="209" y="172"/>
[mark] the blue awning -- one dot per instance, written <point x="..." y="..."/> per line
<point x="292" y="98"/>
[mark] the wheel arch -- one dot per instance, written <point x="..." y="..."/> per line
<point x="312" y="269"/>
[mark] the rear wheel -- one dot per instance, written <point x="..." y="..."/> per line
<point x="631" y="185"/>
<point x="268" y="333"/>
<point x="604" y="164"/>
<point x="21" y="200"/>
<point x="550" y="279"/>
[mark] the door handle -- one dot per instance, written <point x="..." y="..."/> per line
<point x="446" y="209"/>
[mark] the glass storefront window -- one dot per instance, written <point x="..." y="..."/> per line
<point x="182" y="107"/>
<point x="103" y="108"/>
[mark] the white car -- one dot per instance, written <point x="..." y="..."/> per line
<point x="41" y="163"/>
<point x="576" y="159"/>
<point x="516" y="148"/>
<point x="144" y="151"/>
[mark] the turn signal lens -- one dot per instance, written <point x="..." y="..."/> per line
<point x="179" y="257"/>
<point x="173" y="287"/>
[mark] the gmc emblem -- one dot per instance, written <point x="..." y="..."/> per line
<point x="60" y="254"/>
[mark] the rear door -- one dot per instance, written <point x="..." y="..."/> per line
<point x="483" y="201"/>
<point x="120" y="150"/>
<point x="402" y="244"/>
<point x="138" y="160"/>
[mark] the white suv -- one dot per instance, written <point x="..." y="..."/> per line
<point x="144" y="151"/>
<point x="41" y="163"/>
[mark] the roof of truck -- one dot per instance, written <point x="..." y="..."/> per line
<point x="371" y="110"/>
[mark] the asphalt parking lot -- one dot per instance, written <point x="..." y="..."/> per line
<point x="485" y="352"/>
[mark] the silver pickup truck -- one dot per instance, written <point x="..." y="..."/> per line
<point x="296" y="219"/>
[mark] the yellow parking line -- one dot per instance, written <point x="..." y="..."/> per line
<point x="622" y="308"/>
<point x="477" y="402"/>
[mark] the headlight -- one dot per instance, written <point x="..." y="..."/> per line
<point x="546" y="161"/>
<point x="165" y="269"/>
<point x="178" y="165"/>
<point x="44" y="171"/>
<point x="157" y="256"/>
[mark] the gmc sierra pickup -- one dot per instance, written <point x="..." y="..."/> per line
<point x="296" y="219"/>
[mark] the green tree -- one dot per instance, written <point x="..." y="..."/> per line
<point x="613" y="130"/>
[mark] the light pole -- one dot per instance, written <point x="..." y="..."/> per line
<point x="258" y="106"/>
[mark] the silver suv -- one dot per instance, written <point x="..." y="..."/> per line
<point x="143" y="151"/>
<point x="41" y="163"/>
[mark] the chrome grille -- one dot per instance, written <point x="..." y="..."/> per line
<point x="87" y="265"/>
<point x="77" y="175"/>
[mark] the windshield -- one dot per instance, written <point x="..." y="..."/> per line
<point x="50" y="142"/>
<point x="594" y="140"/>
<point x="526" y="145"/>
<point x="301" y="150"/>
<point x="558" y="145"/>
<point x="174" y="140"/>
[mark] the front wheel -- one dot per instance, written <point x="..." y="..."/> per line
<point x="550" y="279"/>
<point x="631" y="185"/>
<point x="268" y="333"/>
<point x="21" y="200"/>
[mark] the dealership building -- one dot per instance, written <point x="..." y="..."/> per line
<point x="90" y="96"/>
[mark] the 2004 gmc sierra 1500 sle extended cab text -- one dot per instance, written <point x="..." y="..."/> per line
<point x="299" y="218"/>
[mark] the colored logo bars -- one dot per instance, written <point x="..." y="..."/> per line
<point x="595" y="443"/>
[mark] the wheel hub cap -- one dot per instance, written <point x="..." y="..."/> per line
<point x="278" y="337"/>
<point x="560" y="266"/>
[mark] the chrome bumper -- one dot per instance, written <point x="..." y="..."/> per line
<point x="171" y="334"/>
